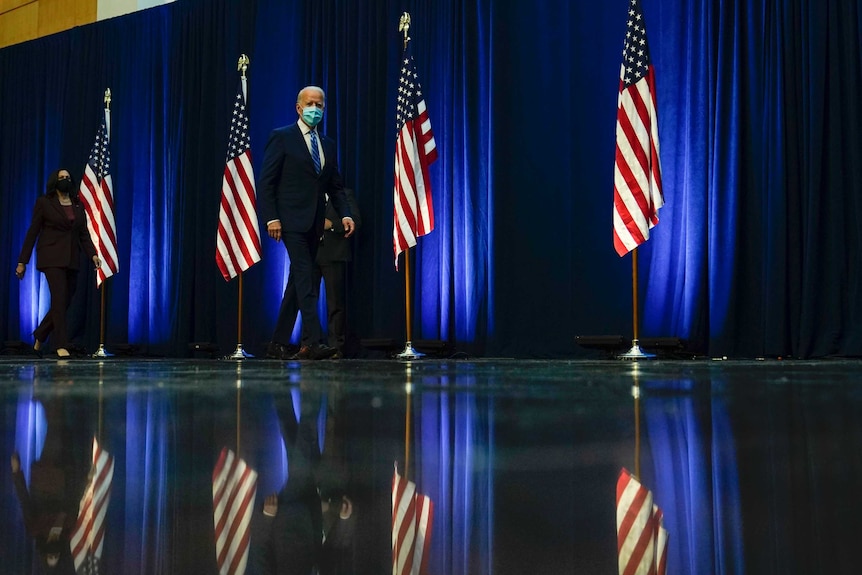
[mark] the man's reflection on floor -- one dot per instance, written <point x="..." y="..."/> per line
<point x="310" y="525"/>
<point x="49" y="505"/>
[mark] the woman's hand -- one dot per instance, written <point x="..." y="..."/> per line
<point x="19" y="271"/>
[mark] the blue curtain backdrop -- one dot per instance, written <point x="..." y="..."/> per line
<point x="454" y="450"/>
<point x="758" y="249"/>
<point x="693" y="473"/>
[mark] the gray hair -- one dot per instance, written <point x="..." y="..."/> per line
<point x="317" y="88"/>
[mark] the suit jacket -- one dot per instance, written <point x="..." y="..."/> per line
<point x="335" y="247"/>
<point x="289" y="189"/>
<point x="60" y="240"/>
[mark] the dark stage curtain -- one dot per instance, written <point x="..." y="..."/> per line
<point x="758" y="248"/>
<point x="759" y="251"/>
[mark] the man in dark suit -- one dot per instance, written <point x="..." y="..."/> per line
<point x="332" y="258"/>
<point x="311" y="522"/>
<point x="299" y="172"/>
<point x="287" y="536"/>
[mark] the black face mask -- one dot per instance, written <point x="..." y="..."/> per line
<point x="64" y="186"/>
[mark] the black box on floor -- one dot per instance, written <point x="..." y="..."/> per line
<point x="203" y="349"/>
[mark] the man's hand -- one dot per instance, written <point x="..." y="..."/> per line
<point x="327" y="224"/>
<point x="349" y="226"/>
<point x="16" y="463"/>
<point x="274" y="230"/>
<point x="346" y="508"/>
<point x="19" y="271"/>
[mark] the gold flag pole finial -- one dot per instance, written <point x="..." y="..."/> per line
<point x="242" y="64"/>
<point x="108" y="98"/>
<point x="404" y="26"/>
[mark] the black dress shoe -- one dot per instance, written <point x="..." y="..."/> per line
<point x="322" y="352"/>
<point x="338" y="354"/>
<point x="305" y="352"/>
<point x="315" y="352"/>
<point x="76" y="350"/>
<point x="275" y="350"/>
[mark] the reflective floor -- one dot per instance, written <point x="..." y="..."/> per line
<point x="286" y="467"/>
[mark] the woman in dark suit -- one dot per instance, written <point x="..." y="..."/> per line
<point x="60" y="224"/>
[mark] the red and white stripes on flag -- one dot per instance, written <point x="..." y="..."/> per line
<point x="641" y="536"/>
<point x="412" y="519"/>
<point x="88" y="536"/>
<point x="238" y="236"/>
<point x="637" y="170"/>
<point x="660" y="542"/>
<point x="234" y="489"/>
<point x="415" y="150"/>
<point x="97" y="195"/>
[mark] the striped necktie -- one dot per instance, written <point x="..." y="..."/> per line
<point x="315" y="153"/>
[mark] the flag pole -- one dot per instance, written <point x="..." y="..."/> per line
<point x="239" y="352"/>
<point x="102" y="352"/>
<point x="636" y="393"/>
<point x="408" y="421"/>
<point x="101" y="414"/>
<point x="408" y="352"/>
<point x="635" y="352"/>
<point x="238" y="413"/>
<point x="408" y="387"/>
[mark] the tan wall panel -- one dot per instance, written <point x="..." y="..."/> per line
<point x="59" y="15"/>
<point x="7" y="5"/>
<point x="19" y="25"/>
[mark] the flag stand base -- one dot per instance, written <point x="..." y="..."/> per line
<point x="101" y="352"/>
<point x="635" y="353"/>
<point x="409" y="352"/>
<point x="239" y="353"/>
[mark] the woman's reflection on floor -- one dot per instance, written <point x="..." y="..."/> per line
<point x="49" y="504"/>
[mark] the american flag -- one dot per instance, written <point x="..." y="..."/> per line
<point x="234" y="490"/>
<point x="412" y="519"/>
<point x="88" y="536"/>
<point x="641" y="536"/>
<point x="238" y="237"/>
<point x="415" y="150"/>
<point x="637" y="170"/>
<point x="97" y="195"/>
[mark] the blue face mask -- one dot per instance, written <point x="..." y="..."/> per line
<point x="312" y="115"/>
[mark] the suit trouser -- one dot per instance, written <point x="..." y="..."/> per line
<point x="333" y="274"/>
<point x="300" y="290"/>
<point x="61" y="283"/>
